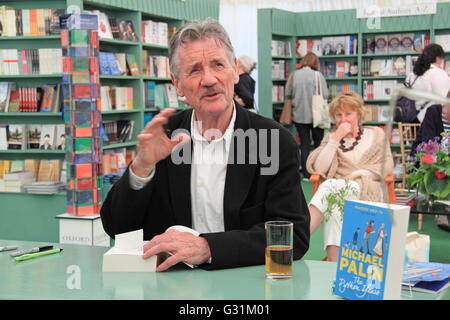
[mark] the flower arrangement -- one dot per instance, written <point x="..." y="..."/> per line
<point x="429" y="170"/>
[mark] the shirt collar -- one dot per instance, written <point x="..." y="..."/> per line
<point x="196" y="135"/>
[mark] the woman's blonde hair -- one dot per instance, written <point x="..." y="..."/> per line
<point x="310" y="60"/>
<point x="348" y="101"/>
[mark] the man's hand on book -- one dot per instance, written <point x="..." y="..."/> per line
<point x="183" y="247"/>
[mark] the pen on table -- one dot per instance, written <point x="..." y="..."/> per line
<point x="7" y="248"/>
<point x="29" y="256"/>
<point x="32" y="250"/>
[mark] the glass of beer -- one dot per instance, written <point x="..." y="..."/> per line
<point x="279" y="249"/>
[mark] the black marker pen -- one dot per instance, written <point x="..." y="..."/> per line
<point x="32" y="250"/>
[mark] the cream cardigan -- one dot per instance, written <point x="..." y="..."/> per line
<point x="371" y="160"/>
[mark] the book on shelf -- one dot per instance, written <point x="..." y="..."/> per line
<point x="172" y="97"/>
<point x="47" y="139"/>
<point x="428" y="277"/>
<point x="278" y="93"/>
<point x="49" y="170"/>
<point x="123" y="98"/>
<point x="132" y="64"/>
<point x="155" y="32"/>
<point x="5" y="92"/>
<point x="371" y="253"/>
<point x="381" y="44"/>
<point x="60" y="137"/>
<point x="328" y="46"/>
<point x="394" y="43"/>
<point x="150" y="94"/>
<point x="117" y="131"/>
<point x="443" y="40"/>
<point x="104" y="28"/>
<point x="108" y="64"/>
<point x="17" y="137"/>
<point x="122" y="63"/>
<point x="3" y="137"/>
<point x="34" y="135"/>
<point x="158" y="66"/>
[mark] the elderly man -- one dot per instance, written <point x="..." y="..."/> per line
<point x="216" y="168"/>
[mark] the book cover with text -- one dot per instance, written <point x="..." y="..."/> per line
<point x="370" y="262"/>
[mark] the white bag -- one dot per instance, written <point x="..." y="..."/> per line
<point x="417" y="248"/>
<point x="321" y="117"/>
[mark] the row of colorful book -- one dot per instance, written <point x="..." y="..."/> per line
<point x="117" y="131"/>
<point x="325" y="46"/>
<point x="155" y="66"/>
<point x="46" y="98"/>
<point x="395" y="43"/>
<point x="379" y="89"/>
<point x="281" y="48"/>
<point x="116" y="98"/>
<point x="443" y="40"/>
<point x="117" y="64"/>
<point x="339" y="69"/>
<point x="30" y="61"/>
<point x="398" y="66"/>
<point x="161" y="95"/>
<point x="280" y="69"/>
<point x="278" y="93"/>
<point x="29" y="22"/>
<point x="32" y="136"/>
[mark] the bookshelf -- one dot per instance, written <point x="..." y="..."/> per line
<point x="175" y="13"/>
<point x="292" y="26"/>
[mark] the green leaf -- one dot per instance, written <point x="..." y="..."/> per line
<point x="437" y="187"/>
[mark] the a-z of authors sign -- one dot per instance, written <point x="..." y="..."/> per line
<point x="410" y="10"/>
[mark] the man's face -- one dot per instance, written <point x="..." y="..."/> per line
<point x="206" y="76"/>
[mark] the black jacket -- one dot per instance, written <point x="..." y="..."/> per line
<point x="431" y="126"/>
<point x="245" y="89"/>
<point x="250" y="199"/>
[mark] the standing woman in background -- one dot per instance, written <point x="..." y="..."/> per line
<point x="245" y="89"/>
<point x="429" y="75"/>
<point x="300" y="89"/>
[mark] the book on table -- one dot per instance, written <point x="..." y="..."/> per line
<point x="372" y="250"/>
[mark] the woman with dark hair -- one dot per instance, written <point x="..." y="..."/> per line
<point x="300" y="89"/>
<point x="429" y="75"/>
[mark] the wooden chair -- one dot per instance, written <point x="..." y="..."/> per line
<point x="315" y="179"/>
<point x="408" y="133"/>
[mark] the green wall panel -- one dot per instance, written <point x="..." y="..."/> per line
<point x="283" y="22"/>
<point x="442" y="16"/>
<point x="327" y="23"/>
<point x="399" y="24"/>
<point x="185" y="10"/>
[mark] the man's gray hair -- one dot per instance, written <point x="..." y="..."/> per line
<point x="197" y="30"/>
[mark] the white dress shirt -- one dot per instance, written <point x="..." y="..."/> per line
<point x="208" y="172"/>
<point x="434" y="80"/>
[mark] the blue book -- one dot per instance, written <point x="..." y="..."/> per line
<point x="371" y="255"/>
<point x="150" y="94"/>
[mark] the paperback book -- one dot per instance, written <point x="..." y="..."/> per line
<point x="371" y="255"/>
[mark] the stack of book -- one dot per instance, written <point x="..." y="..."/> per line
<point x="45" y="187"/>
<point x="426" y="277"/>
<point x="281" y="48"/>
<point x="155" y="32"/>
<point x="15" y="181"/>
<point x="82" y="114"/>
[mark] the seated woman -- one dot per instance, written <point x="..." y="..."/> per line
<point x="349" y="158"/>
<point x="436" y="121"/>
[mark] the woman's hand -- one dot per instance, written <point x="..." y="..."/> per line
<point x="342" y="131"/>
